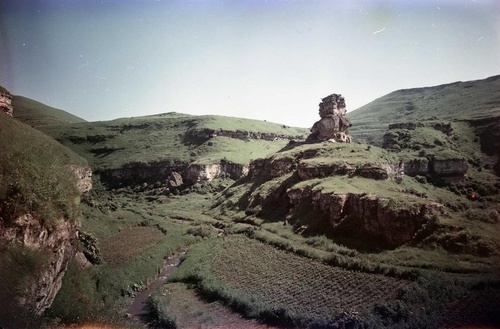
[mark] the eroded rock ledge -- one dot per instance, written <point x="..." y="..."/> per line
<point x="376" y="217"/>
<point x="238" y="134"/>
<point x="138" y="173"/>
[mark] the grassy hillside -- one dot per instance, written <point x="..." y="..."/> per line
<point x="37" y="114"/>
<point x="170" y="137"/>
<point x="31" y="166"/>
<point x="35" y="179"/>
<point x="470" y="100"/>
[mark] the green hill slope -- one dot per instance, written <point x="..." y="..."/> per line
<point x="171" y="140"/>
<point x="37" y="114"/>
<point x="38" y="209"/>
<point x="470" y="100"/>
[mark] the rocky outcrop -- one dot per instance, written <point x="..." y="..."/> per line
<point x="58" y="246"/>
<point x="275" y="167"/>
<point x="175" y="180"/>
<point x="489" y="134"/>
<point x="238" y="134"/>
<point x="141" y="172"/>
<point x="172" y="175"/>
<point x="434" y="160"/>
<point x="372" y="217"/>
<point x="306" y="170"/>
<point x="271" y="167"/>
<point x="6" y="103"/>
<point x="448" y="167"/>
<point x="196" y="173"/>
<point x="333" y="124"/>
<point x="54" y="239"/>
<point x="83" y="178"/>
<point x="444" y="127"/>
<point x="437" y="169"/>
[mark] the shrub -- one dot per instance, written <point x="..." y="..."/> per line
<point x="90" y="247"/>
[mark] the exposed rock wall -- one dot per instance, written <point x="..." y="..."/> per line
<point x="6" y="103"/>
<point x="436" y="168"/>
<point x="275" y="167"/>
<point x="196" y="173"/>
<point x="271" y="167"/>
<point x="55" y="240"/>
<point x="84" y="178"/>
<point x="243" y="135"/>
<point x="57" y="244"/>
<point x="138" y="173"/>
<point x="374" y="217"/>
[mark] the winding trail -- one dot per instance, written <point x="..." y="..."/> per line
<point x="139" y="308"/>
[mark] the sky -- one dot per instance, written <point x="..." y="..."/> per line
<point x="265" y="60"/>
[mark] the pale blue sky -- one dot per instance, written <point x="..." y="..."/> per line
<point x="269" y="60"/>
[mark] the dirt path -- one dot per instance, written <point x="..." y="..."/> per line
<point x="138" y="309"/>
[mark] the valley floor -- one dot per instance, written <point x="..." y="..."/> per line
<point x="248" y="273"/>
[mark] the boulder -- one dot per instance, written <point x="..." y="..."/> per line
<point x="175" y="180"/>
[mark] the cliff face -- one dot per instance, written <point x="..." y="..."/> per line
<point x="376" y="218"/>
<point x="434" y="168"/>
<point x="196" y="173"/>
<point x="138" y="173"/>
<point x="56" y="243"/>
<point x="52" y="239"/>
<point x="83" y="176"/>
<point x="276" y="167"/>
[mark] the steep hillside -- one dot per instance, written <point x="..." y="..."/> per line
<point x="37" y="114"/>
<point x="40" y="185"/>
<point x="463" y="101"/>
<point x="150" y="148"/>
